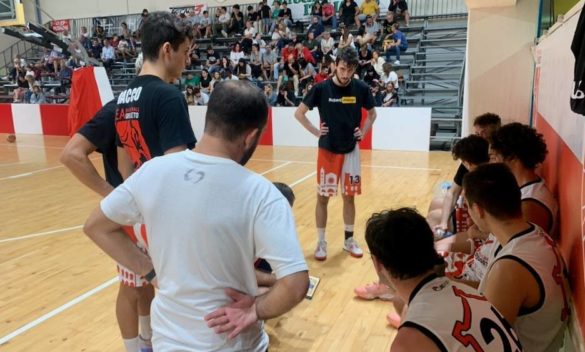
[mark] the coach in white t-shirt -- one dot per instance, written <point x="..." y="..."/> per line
<point x="207" y="219"/>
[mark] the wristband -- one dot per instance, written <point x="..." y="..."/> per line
<point x="150" y="276"/>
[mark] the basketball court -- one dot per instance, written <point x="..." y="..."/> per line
<point x="60" y="289"/>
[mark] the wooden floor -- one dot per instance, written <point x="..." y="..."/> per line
<point x="58" y="290"/>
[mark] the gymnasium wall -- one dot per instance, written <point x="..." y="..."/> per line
<point x="564" y="132"/>
<point x="498" y="48"/>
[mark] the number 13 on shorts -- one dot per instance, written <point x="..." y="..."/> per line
<point x="335" y="168"/>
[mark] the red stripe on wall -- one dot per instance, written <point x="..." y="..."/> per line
<point x="366" y="142"/>
<point x="266" y="138"/>
<point x="54" y="120"/>
<point x="6" y="123"/>
<point x="564" y="176"/>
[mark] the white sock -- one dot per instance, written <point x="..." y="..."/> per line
<point x="145" y="329"/>
<point x="349" y="228"/>
<point x="321" y="233"/>
<point x="132" y="345"/>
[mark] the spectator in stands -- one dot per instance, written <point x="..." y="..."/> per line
<point x="224" y="65"/>
<point x="236" y="54"/>
<point x="312" y="45"/>
<point x="400" y="8"/>
<point x="216" y="78"/>
<point x="377" y="62"/>
<point x="269" y="93"/>
<point x="99" y="32"/>
<point x="123" y="51"/>
<point x="195" y="54"/>
<point x="256" y="63"/>
<point x="222" y="23"/>
<point x="304" y="53"/>
<point x="124" y="31"/>
<point x="143" y="18"/>
<point x="348" y="13"/>
<point x="389" y="76"/>
<point x="200" y="97"/>
<point x="18" y="76"/>
<point x="30" y="79"/>
<point x="192" y="80"/>
<point x="322" y="75"/>
<point x="285" y="97"/>
<point x="307" y="89"/>
<point x="275" y="15"/>
<point x="205" y="81"/>
<point x="389" y="21"/>
<point x="327" y="44"/>
<point x="289" y="50"/>
<point x="399" y="44"/>
<point x="317" y="11"/>
<point x="55" y="60"/>
<point x="29" y="71"/>
<point x="346" y="38"/>
<point x="190" y="95"/>
<point x="269" y="59"/>
<point x="229" y="74"/>
<point x="108" y="55"/>
<point x="376" y="94"/>
<point x="205" y="25"/>
<point x="250" y="30"/>
<point x="243" y="71"/>
<point x="37" y="96"/>
<point x="281" y="36"/>
<point x="236" y="24"/>
<point x="66" y="36"/>
<point x="329" y="16"/>
<point x="253" y="16"/>
<point x="84" y="38"/>
<point x="264" y="13"/>
<point x="260" y="42"/>
<point x="369" y="8"/>
<point x="65" y="73"/>
<point x="95" y="51"/>
<point x="316" y="27"/>
<point x="246" y="44"/>
<point x="372" y="29"/>
<point x="307" y="74"/>
<point x="390" y="97"/>
<point x="291" y="73"/>
<point x="371" y="77"/>
<point x="286" y="15"/>
<point x="365" y="60"/>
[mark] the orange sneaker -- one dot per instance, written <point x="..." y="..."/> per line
<point x="375" y="290"/>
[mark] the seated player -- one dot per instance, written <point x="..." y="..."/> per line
<point x="526" y="278"/>
<point x="442" y="315"/>
<point x="472" y="151"/>
<point x="264" y="274"/>
<point x="440" y="209"/>
<point x="522" y="149"/>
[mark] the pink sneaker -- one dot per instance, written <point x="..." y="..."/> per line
<point x="394" y="320"/>
<point x="375" y="290"/>
<point x="353" y="248"/>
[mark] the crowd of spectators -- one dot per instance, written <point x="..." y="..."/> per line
<point x="266" y="46"/>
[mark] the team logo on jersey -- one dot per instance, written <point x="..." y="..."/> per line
<point x="344" y="100"/>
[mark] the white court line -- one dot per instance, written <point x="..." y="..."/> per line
<point x="16" y="144"/>
<point x="76" y="300"/>
<point x="276" y="168"/>
<point x="40" y="234"/>
<point x="18" y="238"/>
<point x="38" y="171"/>
<point x="363" y="165"/>
<point x="54" y="312"/>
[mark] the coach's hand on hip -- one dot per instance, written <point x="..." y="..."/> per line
<point x="234" y="317"/>
<point x="357" y="133"/>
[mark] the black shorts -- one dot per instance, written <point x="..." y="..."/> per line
<point x="400" y="7"/>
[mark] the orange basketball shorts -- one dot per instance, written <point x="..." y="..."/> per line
<point x="334" y="169"/>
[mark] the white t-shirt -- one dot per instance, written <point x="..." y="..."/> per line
<point x="207" y="219"/>
<point x="391" y="77"/>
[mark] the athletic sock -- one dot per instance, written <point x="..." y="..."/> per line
<point x="348" y="231"/>
<point x="145" y="329"/>
<point x="132" y="345"/>
<point x="321" y="233"/>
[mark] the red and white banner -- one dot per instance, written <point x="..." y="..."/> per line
<point x="564" y="132"/>
<point x="90" y="90"/>
<point x="59" y="26"/>
<point x="45" y="119"/>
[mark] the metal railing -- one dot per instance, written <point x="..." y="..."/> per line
<point x="420" y="8"/>
<point x="21" y="48"/>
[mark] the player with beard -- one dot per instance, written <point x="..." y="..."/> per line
<point x="203" y="207"/>
<point x="340" y="101"/>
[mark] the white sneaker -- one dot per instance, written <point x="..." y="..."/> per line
<point x="353" y="248"/>
<point x="321" y="250"/>
<point x="397" y="62"/>
<point x="145" y="345"/>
